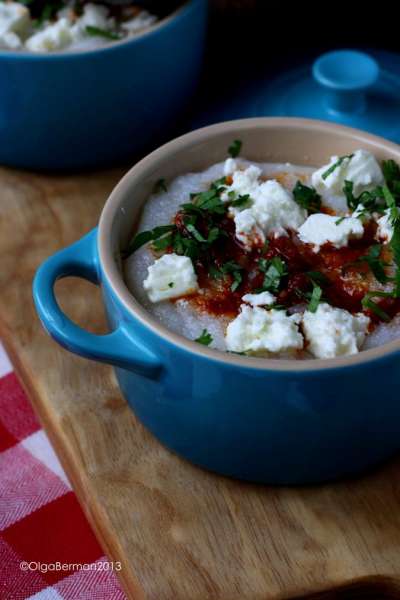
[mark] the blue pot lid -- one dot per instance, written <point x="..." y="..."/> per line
<point x="350" y="87"/>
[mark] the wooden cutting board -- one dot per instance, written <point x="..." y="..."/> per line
<point x="179" y="532"/>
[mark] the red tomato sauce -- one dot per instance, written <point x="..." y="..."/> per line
<point x="347" y="279"/>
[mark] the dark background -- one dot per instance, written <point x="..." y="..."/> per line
<point x="248" y="38"/>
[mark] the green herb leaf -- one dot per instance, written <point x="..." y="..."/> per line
<point x="335" y="165"/>
<point x="235" y="148"/>
<point x="164" y="242"/>
<point x="369" y="200"/>
<point x="274" y="270"/>
<point x="104" y="33"/>
<point x="367" y="302"/>
<point x="215" y="273"/>
<point x="352" y="201"/>
<point x="391" y="204"/>
<point x="376" y="265"/>
<point x="241" y="201"/>
<point x="195" y="233"/>
<point x="395" y="247"/>
<point x="317" y="277"/>
<point x="235" y="270"/>
<point x="307" y="197"/>
<point x="171" y="284"/>
<point x="160" y="186"/>
<point x="315" y="299"/>
<point x="210" y="202"/>
<point x="186" y="246"/>
<point x="219" y="184"/>
<point x="205" y="338"/>
<point x="147" y="236"/>
<point x="391" y="173"/>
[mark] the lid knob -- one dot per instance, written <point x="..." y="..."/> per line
<point x="345" y="75"/>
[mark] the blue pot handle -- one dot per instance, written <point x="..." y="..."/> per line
<point x="116" y="348"/>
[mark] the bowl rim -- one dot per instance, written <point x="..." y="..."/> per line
<point x="136" y="310"/>
<point x="76" y="54"/>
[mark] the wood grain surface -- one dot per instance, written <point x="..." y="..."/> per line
<point x="180" y="533"/>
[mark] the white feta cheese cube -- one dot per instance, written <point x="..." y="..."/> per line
<point x="247" y="229"/>
<point x="385" y="227"/>
<point x="261" y="299"/>
<point x="53" y="37"/>
<point x="10" y="41"/>
<point x="243" y="182"/>
<point x="319" y="229"/>
<point x="171" y="276"/>
<point x="143" y="20"/>
<point x="14" y="23"/>
<point x="272" y="208"/>
<point x="14" y="17"/>
<point x="362" y="169"/>
<point x="94" y="15"/>
<point x="332" y="332"/>
<point x="256" y="330"/>
<point x="230" y="166"/>
<point x="275" y="209"/>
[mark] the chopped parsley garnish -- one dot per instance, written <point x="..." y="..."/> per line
<point x="317" y="277"/>
<point x="274" y="270"/>
<point x="335" y="165"/>
<point x="391" y="173"/>
<point x="160" y="186"/>
<point x="235" y="270"/>
<point x="376" y="265"/>
<point x="205" y="338"/>
<point x="395" y="241"/>
<point x="315" y="298"/>
<point x="147" y="236"/>
<point x="371" y="201"/>
<point x="235" y="148"/>
<point x="368" y="303"/>
<point x="104" y="33"/>
<point x="212" y="235"/>
<point x="171" y="284"/>
<point x="207" y="201"/>
<point x="307" y="197"/>
<point x="241" y="201"/>
<point x="395" y="247"/>
<point x="391" y="204"/>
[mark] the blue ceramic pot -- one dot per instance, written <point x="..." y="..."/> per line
<point x="72" y="110"/>
<point x="271" y="421"/>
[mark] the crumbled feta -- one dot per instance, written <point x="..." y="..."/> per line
<point x="333" y="331"/>
<point x="53" y="37"/>
<point x="94" y="15"/>
<point x="171" y="276"/>
<point x="230" y="166"/>
<point x="14" y="24"/>
<point x="10" y="41"/>
<point x="272" y="208"/>
<point x="360" y="213"/>
<point x="362" y="169"/>
<point x="385" y="227"/>
<point x="320" y="229"/>
<point x="243" y="182"/>
<point x="261" y="299"/>
<point x="256" y="330"/>
<point x="141" y="21"/>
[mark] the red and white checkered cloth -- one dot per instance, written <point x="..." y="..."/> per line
<point x="44" y="535"/>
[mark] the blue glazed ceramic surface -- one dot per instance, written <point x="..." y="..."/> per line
<point x="87" y="109"/>
<point x="279" y="422"/>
